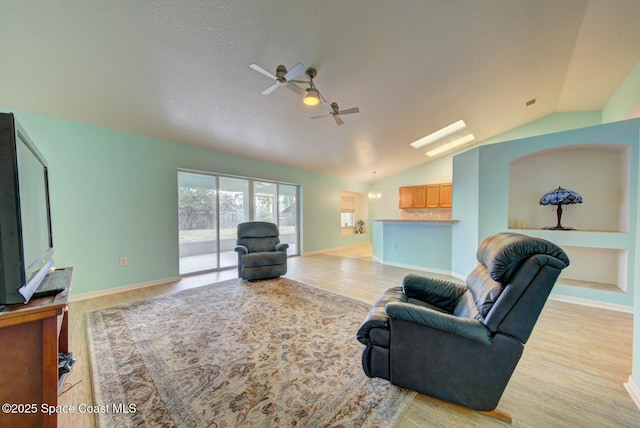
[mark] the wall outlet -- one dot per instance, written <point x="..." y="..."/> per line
<point x="123" y="261"/>
<point x="394" y="246"/>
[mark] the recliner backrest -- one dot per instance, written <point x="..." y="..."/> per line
<point x="258" y="236"/>
<point x="513" y="280"/>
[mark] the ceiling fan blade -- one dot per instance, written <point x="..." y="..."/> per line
<point x="338" y="120"/>
<point x="270" y="89"/>
<point x="350" y="111"/>
<point x="296" y="71"/>
<point x="297" y="89"/>
<point x="259" y="69"/>
<point x="318" y="117"/>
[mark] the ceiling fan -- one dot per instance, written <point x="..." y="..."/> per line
<point x="312" y="96"/>
<point x="282" y="78"/>
<point x="335" y="112"/>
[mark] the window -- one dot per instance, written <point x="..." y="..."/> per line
<point x="347" y="219"/>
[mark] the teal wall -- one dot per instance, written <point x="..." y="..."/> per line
<point x="115" y="195"/>
<point x="626" y="99"/>
<point x="465" y="207"/>
<point x="413" y="245"/>
<point x="636" y="303"/>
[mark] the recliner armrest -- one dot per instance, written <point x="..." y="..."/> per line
<point x="465" y="327"/>
<point x="241" y="249"/>
<point x="281" y="246"/>
<point x="437" y="292"/>
<point x="377" y="316"/>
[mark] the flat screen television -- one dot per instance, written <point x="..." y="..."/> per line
<point x="26" y="241"/>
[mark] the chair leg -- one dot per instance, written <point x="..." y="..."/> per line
<point x="499" y="415"/>
<point x="495" y="413"/>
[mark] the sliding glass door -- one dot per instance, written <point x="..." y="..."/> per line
<point x="197" y="222"/>
<point x="234" y="209"/>
<point x="211" y="206"/>
<point x="288" y="216"/>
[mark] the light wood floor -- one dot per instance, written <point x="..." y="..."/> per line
<point x="571" y="374"/>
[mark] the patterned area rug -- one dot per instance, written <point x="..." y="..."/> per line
<point x="250" y="354"/>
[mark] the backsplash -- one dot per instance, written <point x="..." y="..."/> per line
<point x="426" y="214"/>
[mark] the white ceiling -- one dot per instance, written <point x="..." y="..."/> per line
<point x="179" y="70"/>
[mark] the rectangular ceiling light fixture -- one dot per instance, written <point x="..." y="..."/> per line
<point x="452" y="145"/>
<point x="440" y="134"/>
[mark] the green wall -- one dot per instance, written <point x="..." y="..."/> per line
<point x="115" y="195"/>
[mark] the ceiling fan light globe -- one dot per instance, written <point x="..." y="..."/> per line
<point x="311" y="101"/>
<point x="312" y="98"/>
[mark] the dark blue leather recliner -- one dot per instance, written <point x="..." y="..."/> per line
<point x="261" y="255"/>
<point x="461" y="343"/>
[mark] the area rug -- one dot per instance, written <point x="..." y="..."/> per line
<point x="269" y="353"/>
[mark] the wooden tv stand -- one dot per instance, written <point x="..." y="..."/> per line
<point x="31" y="336"/>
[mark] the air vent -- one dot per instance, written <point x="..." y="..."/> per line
<point x="530" y="102"/>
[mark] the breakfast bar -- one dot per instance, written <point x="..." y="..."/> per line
<point x="423" y="244"/>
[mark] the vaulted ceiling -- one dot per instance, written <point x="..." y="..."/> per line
<point x="179" y="70"/>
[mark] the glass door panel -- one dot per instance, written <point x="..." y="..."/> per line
<point x="197" y="242"/>
<point x="288" y="216"/>
<point x="264" y="201"/>
<point x="234" y="209"/>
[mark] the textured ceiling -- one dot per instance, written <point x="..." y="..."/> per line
<point x="179" y="70"/>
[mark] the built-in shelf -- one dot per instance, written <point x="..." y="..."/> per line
<point x="598" y="248"/>
<point x="605" y="205"/>
<point x="591" y="285"/>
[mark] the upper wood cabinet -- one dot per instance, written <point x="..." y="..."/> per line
<point x="433" y="196"/>
<point x="413" y="197"/>
<point x="425" y="196"/>
<point x="446" y="195"/>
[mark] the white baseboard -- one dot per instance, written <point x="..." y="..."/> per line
<point x="459" y="276"/>
<point x="414" y="267"/>
<point x="592" y="303"/>
<point x="100" y="293"/>
<point x="634" y="390"/>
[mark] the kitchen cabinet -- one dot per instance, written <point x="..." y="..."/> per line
<point x="425" y="196"/>
<point x="413" y="197"/>
<point x="446" y="195"/>
<point x="433" y="196"/>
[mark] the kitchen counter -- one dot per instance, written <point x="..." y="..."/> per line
<point x="414" y="221"/>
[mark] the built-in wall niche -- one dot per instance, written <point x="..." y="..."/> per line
<point x="596" y="268"/>
<point x="598" y="172"/>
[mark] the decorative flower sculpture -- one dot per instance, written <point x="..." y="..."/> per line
<point x="560" y="197"/>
